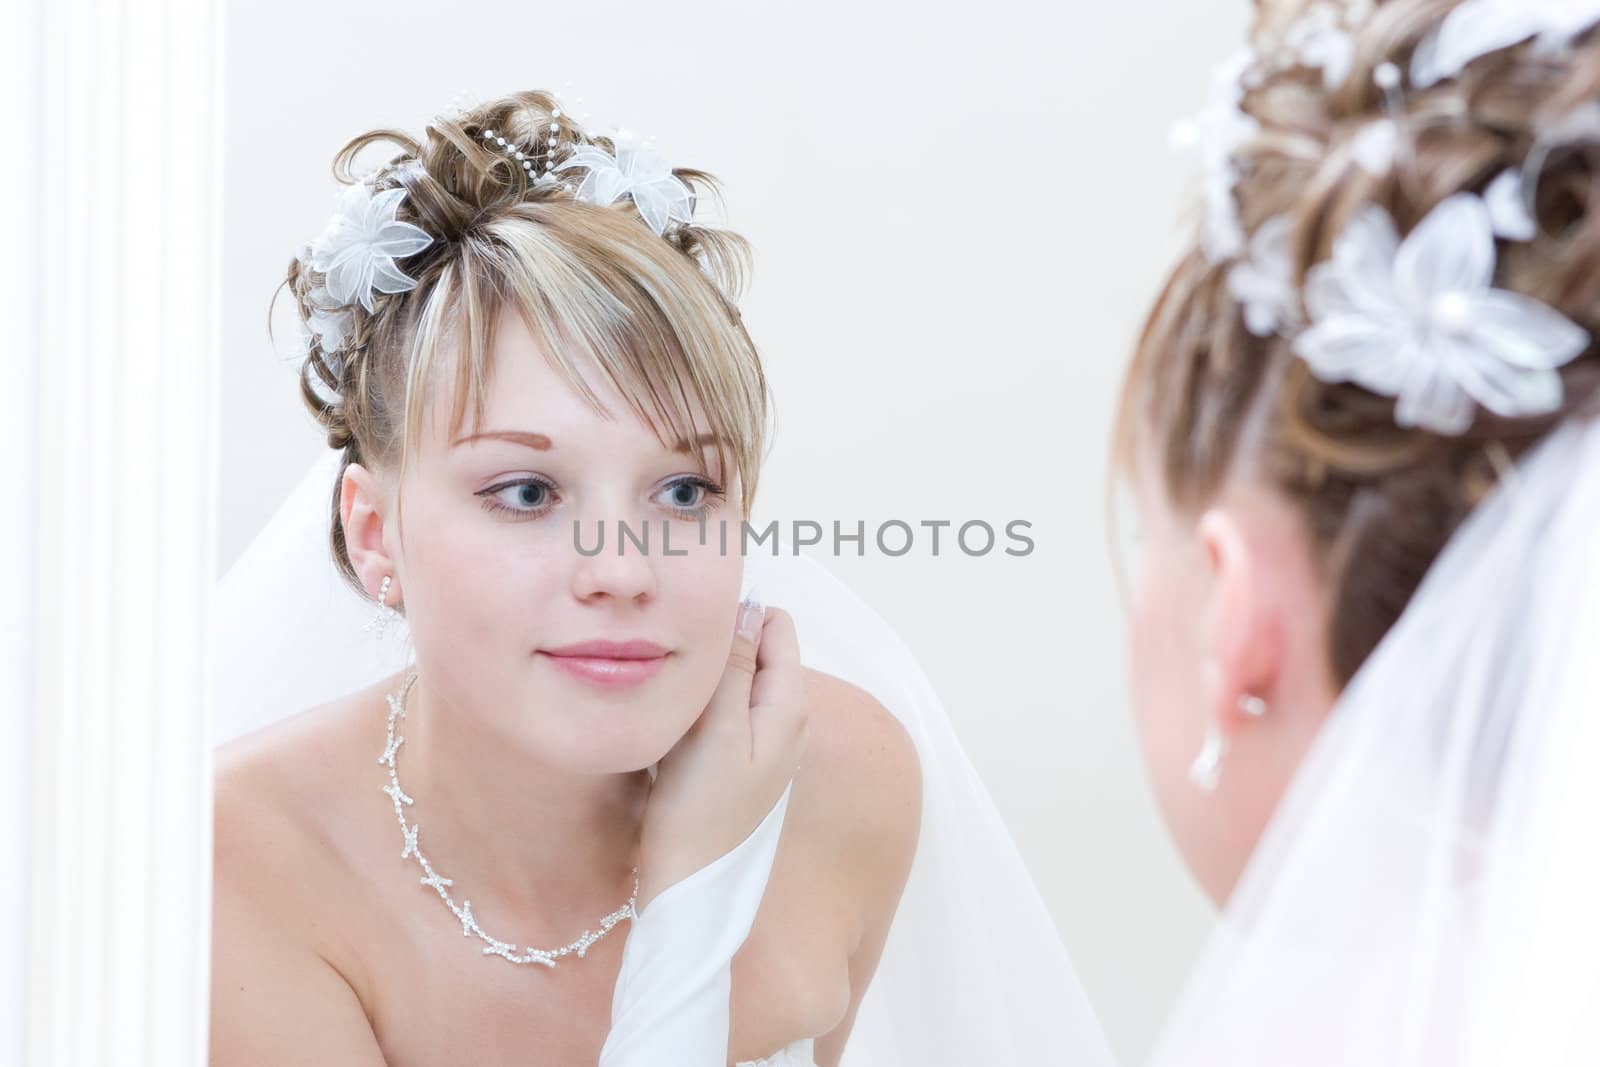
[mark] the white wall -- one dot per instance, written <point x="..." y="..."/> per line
<point x="958" y="218"/>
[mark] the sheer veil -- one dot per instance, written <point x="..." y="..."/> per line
<point x="973" y="971"/>
<point x="1429" y="891"/>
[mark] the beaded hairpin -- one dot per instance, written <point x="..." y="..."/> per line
<point x="552" y="142"/>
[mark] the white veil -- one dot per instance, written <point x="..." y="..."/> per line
<point x="973" y="971"/>
<point x="1429" y="891"/>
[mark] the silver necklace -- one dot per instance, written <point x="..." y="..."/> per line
<point x="441" y="885"/>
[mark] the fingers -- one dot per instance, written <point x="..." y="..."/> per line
<point x="730" y="702"/>
<point x="747" y="633"/>
<point x="777" y="660"/>
<point x="778" y="700"/>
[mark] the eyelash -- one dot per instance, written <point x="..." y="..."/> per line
<point x="714" y="495"/>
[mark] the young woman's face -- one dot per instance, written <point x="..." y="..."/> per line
<point x="600" y="661"/>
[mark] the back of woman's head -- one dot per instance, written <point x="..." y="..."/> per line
<point x="591" y="240"/>
<point x="1380" y="386"/>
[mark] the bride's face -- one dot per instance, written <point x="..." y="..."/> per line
<point x="513" y="623"/>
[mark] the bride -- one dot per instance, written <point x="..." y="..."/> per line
<point x="1363" y="429"/>
<point x="528" y="825"/>
<point x="514" y="367"/>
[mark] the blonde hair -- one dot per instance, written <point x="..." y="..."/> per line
<point x="657" y="315"/>
<point x="1203" y="395"/>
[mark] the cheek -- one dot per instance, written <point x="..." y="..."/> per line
<point x="478" y="584"/>
<point x="1164" y="681"/>
<point x="700" y="594"/>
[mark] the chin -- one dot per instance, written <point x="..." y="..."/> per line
<point x="1213" y="856"/>
<point x="604" y="742"/>
<point x="1217" y="884"/>
<point x="621" y="728"/>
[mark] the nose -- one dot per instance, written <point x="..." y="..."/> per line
<point x="624" y="568"/>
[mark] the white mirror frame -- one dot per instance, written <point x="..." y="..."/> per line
<point x="108" y="421"/>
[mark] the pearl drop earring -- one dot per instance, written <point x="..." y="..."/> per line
<point x="1206" y="770"/>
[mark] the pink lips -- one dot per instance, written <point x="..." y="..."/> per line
<point x="609" y="663"/>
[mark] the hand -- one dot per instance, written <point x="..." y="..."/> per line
<point x="722" y="778"/>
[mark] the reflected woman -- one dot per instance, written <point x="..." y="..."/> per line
<point x="517" y="331"/>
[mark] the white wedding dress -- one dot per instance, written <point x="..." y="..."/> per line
<point x="973" y="971"/>
<point x="670" y="1005"/>
<point x="795" y="1055"/>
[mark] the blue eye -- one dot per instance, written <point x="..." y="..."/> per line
<point x="526" y="497"/>
<point x="691" y="497"/>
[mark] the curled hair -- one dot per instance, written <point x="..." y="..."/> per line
<point x="656" y="315"/>
<point x="1205" y="399"/>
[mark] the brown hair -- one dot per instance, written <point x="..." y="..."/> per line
<point x="1204" y="398"/>
<point x="656" y="314"/>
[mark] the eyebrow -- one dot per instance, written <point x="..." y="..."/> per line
<point x="705" y="440"/>
<point x="520" y="437"/>
<point x="542" y="443"/>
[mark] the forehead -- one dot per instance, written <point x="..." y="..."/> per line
<point x="526" y="387"/>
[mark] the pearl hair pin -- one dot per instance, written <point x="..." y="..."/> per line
<point x="552" y="142"/>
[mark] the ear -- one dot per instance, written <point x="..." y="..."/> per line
<point x="1244" y="637"/>
<point x="363" y="504"/>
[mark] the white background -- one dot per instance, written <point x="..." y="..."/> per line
<point x="959" y="215"/>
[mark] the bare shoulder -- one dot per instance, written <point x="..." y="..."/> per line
<point x="858" y="806"/>
<point x="274" y="788"/>
<point x="851" y="735"/>
<point x="280" y="803"/>
<point x="254" y="807"/>
<point x="288" y="798"/>
<point x="276" y="803"/>
<point x="860" y="786"/>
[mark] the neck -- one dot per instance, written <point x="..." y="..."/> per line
<point x="512" y="831"/>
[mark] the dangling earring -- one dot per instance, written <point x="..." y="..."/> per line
<point x="1206" y="770"/>
<point x="386" y="615"/>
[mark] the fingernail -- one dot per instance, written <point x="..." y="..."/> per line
<point x="751" y="612"/>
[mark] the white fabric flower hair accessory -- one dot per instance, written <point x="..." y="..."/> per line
<point x="357" y="250"/>
<point x="330" y="322"/>
<point x="1320" y="39"/>
<point x="1420" y="321"/>
<point x="635" y="171"/>
<point x="1478" y="28"/>
<point x="1263" y="283"/>
<point x="1218" y="132"/>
